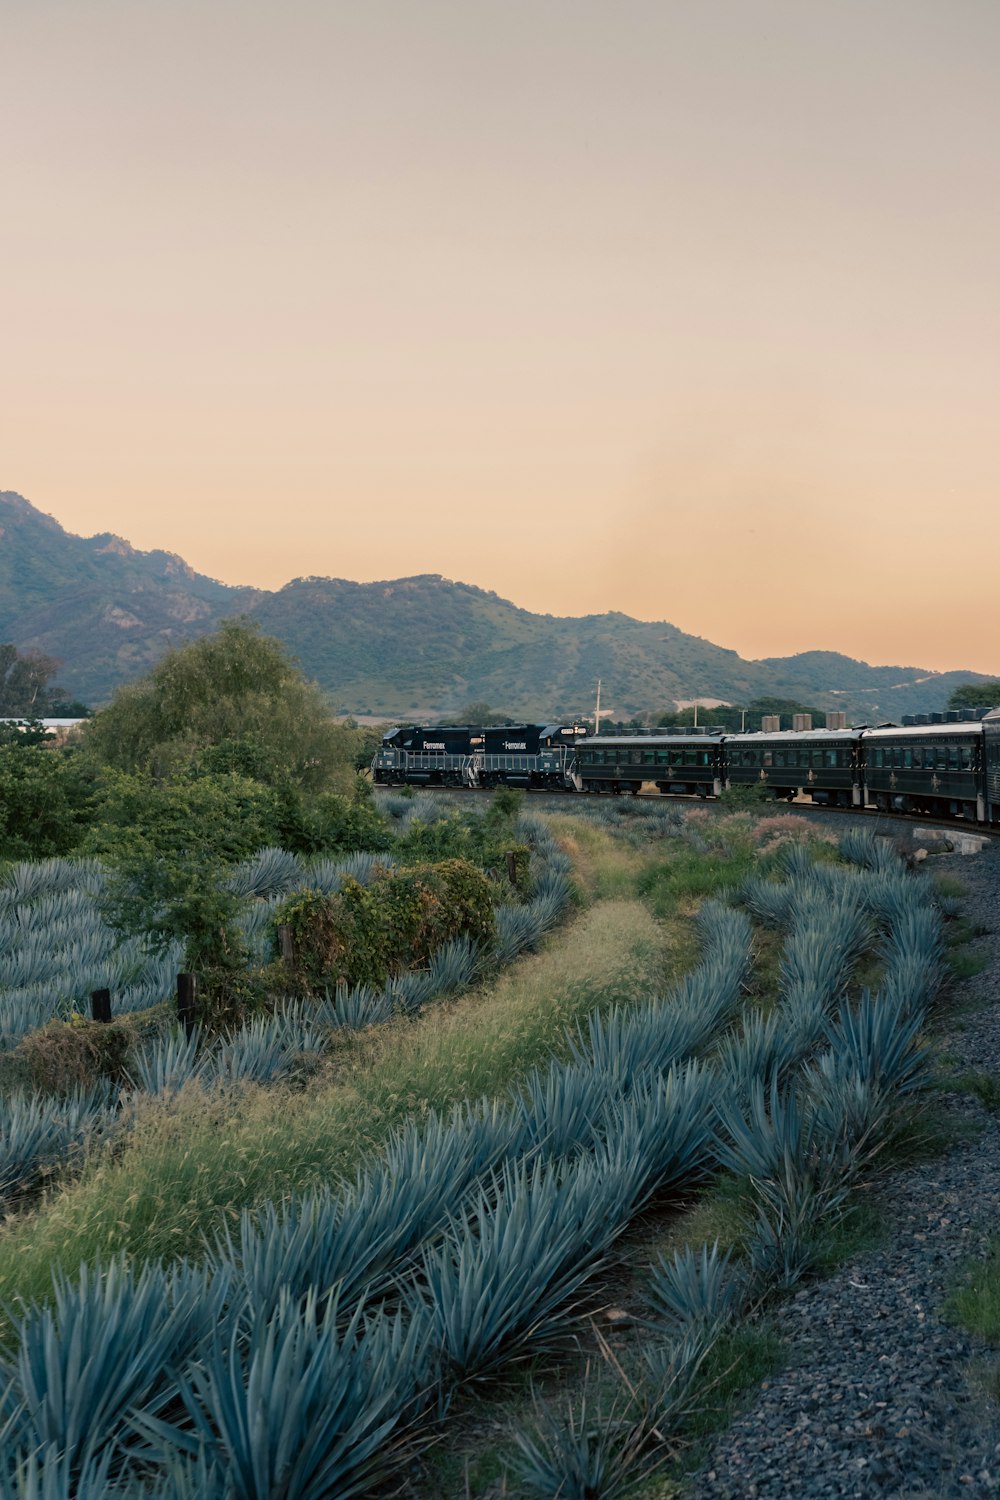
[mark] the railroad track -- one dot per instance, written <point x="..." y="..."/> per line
<point x="876" y="814"/>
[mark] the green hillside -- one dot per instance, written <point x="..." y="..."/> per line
<point x="406" y="648"/>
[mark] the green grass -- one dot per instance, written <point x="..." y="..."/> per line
<point x="950" y="886"/>
<point x="965" y="963"/>
<point x="738" y="1364"/>
<point x="981" y="1085"/>
<point x="976" y="1306"/>
<point x="688" y="878"/>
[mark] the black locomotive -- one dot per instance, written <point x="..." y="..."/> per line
<point x="939" y="765"/>
<point x="524" y="755"/>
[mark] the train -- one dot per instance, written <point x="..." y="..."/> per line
<point x="942" y="765"/>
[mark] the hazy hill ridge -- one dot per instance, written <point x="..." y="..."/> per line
<point x="409" y="647"/>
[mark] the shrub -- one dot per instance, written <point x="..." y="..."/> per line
<point x="71" y="1054"/>
<point x="366" y="934"/>
<point x="745" y="797"/>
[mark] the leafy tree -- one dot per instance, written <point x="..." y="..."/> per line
<point x="331" y="822"/>
<point x="480" y="712"/>
<point x="218" y="818"/>
<point x="231" y="700"/>
<point x="168" y="846"/>
<point x="24" y="733"/>
<point x="976" y="695"/>
<point x="67" y="708"/>
<point x="734" y="717"/>
<point x="367" y="738"/>
<point x="44" y="801"/>
<point x="24" y="679"/>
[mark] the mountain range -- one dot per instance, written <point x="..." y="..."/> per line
<point x="409" y="648"/>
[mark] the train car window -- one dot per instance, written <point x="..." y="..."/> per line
<point x="953" y="758"/>
<point x="689" y="757"/>
<point x="768" y="758"/>
<point x="704" y="758"/>
<point x="779" y="757"/>
<point x="648" y="758"/>
<point x="662" y="757"/>
<point x="907" y="760"/>
<point x="917" y="755"/>
<point x="967" y="756"/>
<point x="830" y="757"/>
<point x="877" y="759"/>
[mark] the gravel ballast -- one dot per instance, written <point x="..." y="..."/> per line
<point x="878" y="1395"/>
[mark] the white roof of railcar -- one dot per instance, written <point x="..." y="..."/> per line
<point x="648" y="740"/>
<point x="811" y="736"/>
<point x="921" y="731"/>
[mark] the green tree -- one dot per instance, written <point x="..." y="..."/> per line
<point x="231" y="700"/>
<point x="480" y="712"/>
<point x="168" y="847"/>
<point x="735" y="717"/>
<point x="24" y="679"/>
<point x="976" y="695"/>
<point x="44" y="801"/>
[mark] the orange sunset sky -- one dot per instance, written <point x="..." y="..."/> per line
<point x="685" y="308"/>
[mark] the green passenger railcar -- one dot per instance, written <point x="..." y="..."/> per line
<point x="685" y="764"/>
<point x="823" y="764"/>
<point x="934" y="769"/>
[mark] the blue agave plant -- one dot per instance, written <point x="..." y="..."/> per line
<point x="347" y="1399"/>
<point x="107" y="1345"/>
<point x="695" y="1289"/>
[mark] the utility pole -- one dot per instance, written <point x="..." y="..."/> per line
<point x="696" y="713"/>
<point x="597" y="711"/>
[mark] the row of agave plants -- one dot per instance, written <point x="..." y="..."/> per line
<point x="471" y="1242"/>
<point x="40" y="1132"/>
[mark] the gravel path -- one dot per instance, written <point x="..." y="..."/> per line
<point x="876" y="1398"/>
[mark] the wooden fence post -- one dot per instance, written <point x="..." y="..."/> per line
<point x="100" y="1005"/>
<point x="187" y="997"/>
<point x="286" y="945"/>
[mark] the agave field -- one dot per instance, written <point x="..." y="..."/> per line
<point x="476" y="1237"/>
